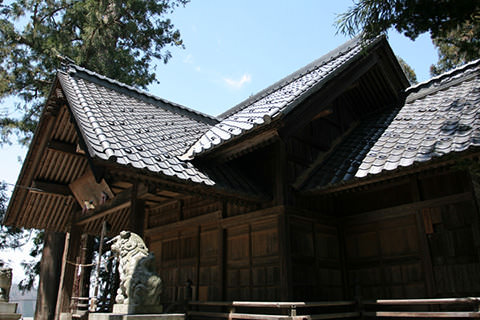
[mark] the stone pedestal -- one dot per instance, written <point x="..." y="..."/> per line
<point x="8" y="311"/>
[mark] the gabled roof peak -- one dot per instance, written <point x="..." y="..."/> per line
<point x="333" y="54"/>
<point x="281" y="98"/>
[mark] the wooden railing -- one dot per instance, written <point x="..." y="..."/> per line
<point x="276" y="310"/>
<point x="79" y="306"/>
<point x="392" y="308"/>
<point x="442" y="303"/>
<point x="335" y="309"/>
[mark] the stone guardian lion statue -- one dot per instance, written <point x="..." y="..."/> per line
<point x="139" y="283"/>
<point x="5" y="283"/>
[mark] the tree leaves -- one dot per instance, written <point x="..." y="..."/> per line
<point x="457" y="47"/>
<point x="410" y="17"/>
<point x="119" y="39"/>
<point x="454" y="25"/>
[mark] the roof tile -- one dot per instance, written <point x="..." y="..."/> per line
<point x="275" y="101"/>
<point x="439" y="117"/>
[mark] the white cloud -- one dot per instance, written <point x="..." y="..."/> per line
<point x="198" y="69"/>
<point x="237" y="84"/>
<point x="188" y="59"/>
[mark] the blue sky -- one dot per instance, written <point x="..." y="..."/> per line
<point x="235" y="49"/>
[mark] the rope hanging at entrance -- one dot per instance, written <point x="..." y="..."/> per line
<point x="87" y="265"/>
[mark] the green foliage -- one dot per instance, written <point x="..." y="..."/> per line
<point x="14" y="238"/>
<point x="32" y="270"/>
<point x="453" y="25"/>
<point x="410" y="17"/>
<point x="408" y="71"/>
<point x="10" y="237"/>
<point x="119" y="39"/>
<point x="457" y="47"/>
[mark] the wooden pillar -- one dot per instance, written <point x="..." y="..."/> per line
<point x="280" y="195"/>
<point x="424" y="246"/>
<point x="286" y="287"/>
<point x="50" y="267"/>
<point x="475" y="187"/>
<point x="67" y="277"/>
<point x="221" y="262"/>
<point x="137" y="212"/>
<point x="86" y="256"/>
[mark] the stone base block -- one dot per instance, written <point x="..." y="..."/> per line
<point x="112" y="316"/>
<point x="8" y="307"/>
<point x="8" y="311"/>
<point x="10" y="316"/>
<point x="136" y="309"/>
<point x="65" y="316"/>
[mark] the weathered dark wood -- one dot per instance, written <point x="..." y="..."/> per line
<point x="207" y="218"/>
<point x="120" y="201"/>
<point x="285" y="257"/>
<point x="412" y="302"/>
<point x="32" y="161"/>
<point x="316" y="104"/>
<point x="65" y="147"/>
<point x="86" y="256"/>
<point x="88" y="191"/>
<point x="246" y="145"/>
<point x="398" y="211"/>
<point x="137" y="209"/>
<point x="50" y="269"/>
<point x="426" y="314"/>
<point x="426" y="256"/>
<point x="51" y="187"/>
<point x="67" y="275"/>
<point x="280" y="168"/>
<point x="340" y="315"/>
<point x="475" y="189"/>
<point x="221" y="261"/>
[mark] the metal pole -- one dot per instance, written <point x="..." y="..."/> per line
<point x="93" y="306"/>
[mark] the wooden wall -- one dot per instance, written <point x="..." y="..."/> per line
<point x="252" y="265"/>
<point x="315" y="260"/>
<point x="234" y="257"/>
<point x="415" y="237"/>
<point x="384" y="257"/>
<point x="423" y="243"/>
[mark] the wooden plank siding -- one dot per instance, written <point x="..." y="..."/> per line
<point x="316" y="265"/>
<point x="236" y="257"/>
<point x="421" y="246"/>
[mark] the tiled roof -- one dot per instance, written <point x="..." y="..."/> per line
<point x="278" y="99"/>
<point x="439" y="117"/>
<point x="128" y="126"/>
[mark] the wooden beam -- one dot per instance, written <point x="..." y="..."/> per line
<point x="213" y="217"/>
<point x="50" y="187"/>
<point x="64" y="147"/>
<point x="404" y="209"/>
<point x="239" y="148"/>
<point x="426" y="314"/>
<point x="120" y="201"/>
